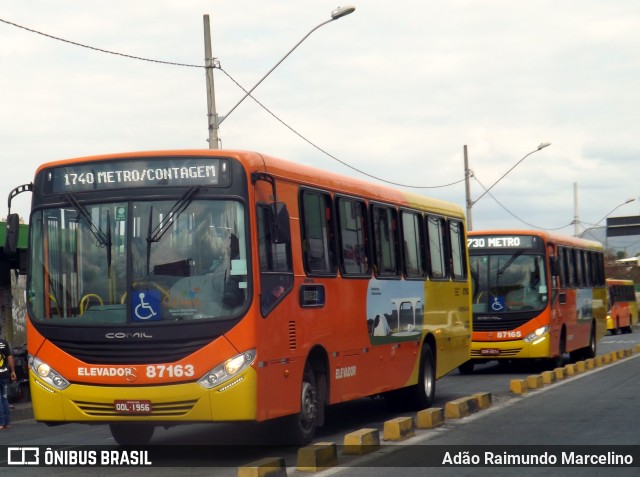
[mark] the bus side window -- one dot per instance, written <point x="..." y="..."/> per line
<point x="412" y="241"/>
<point x="438" y="268"/>
<point x="276" y="271"/>
<point x="385" y="241"/>
<point x="317" y="233"/>
<point x="458" y="256"/>
<point x="352" y="234"/>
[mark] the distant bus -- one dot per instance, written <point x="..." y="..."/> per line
<point x="207" y="286"/>
<point x="623" y="307"/>
<point x="536" y="295"/>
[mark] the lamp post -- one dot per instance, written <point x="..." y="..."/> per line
<point x="467" y="173"/>
<point x="214" y="119"/>
<point x="595" y="226"/>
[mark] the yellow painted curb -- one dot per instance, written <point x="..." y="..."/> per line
<point x="581" y="366"/>
<point x="267" y="467"/>
<point x="535" y="381"/>
<point x="361" y="442"/>
<point x="518" y="386"/>
<point x="457" y="408"/>
<point x="548" y="377"/>
<point x="398" y="429"/>
<point x="317" y="457"/>
<point x="430" y="418"/>
<point x="483" y="400"/>
<point x="571" y="369"/>
<point x="560" y="373"/>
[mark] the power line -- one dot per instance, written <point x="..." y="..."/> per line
<point x="109" y="52"/>
<point x="217" y="65"/>
<point x="514" y="215"/>
<point x="308" y="141"/>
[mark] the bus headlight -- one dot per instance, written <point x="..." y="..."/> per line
<point x="227" y="370"/>
<point x="537" y="336"/>
<point x="47" y="374"/>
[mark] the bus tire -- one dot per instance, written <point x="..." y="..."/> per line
<point x="131" y="433"/>
<point x="426" y="388"/>
<point x="558" y="360"/>
<point x="420" y="395"/>
<point x="590" y="351"/>
<point x="301" y="427"/>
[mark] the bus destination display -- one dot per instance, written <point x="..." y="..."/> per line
<point x="501" y="242"/>
<point x="137" y="173"/>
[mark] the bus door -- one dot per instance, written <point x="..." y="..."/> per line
<point x="276" y="313"/>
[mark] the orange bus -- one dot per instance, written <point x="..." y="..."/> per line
<point x="623" y="307"/>
<point x="204" y="286"/>
<point x="536" y="295"/>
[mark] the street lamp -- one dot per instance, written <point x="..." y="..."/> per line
<point x="467" y="173"/>
<point x="214" y="119"/>
<point x="595" y="226"/>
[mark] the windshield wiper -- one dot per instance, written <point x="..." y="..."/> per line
<point x="95" y="229"/>
<point x="509" y="262"/>
<point x="155" y="234"/>
<point x="103" y="239"/>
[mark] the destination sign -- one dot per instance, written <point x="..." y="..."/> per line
<point x="527" y="242"/>
<point x="136" y="173"/>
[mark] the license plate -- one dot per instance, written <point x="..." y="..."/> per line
<point x="489" y="351"/>
<point x="132" y="407"/>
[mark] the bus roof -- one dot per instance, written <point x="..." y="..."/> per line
<point x="289" y="170"/>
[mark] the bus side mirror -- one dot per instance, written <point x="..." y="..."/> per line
<point x="11" y="239"/>
<point x="280" y="228"/>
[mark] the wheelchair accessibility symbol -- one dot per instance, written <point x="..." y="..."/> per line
<point x="146" y="305"/>
<point x="497" y="303"/>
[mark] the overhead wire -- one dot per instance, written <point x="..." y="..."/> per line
<point x="217" y="65"/>
<point x="514" y="215"/>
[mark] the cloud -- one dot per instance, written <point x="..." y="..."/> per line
<point x="395" y="90"/>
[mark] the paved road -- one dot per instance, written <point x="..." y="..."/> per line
<point x="344" y="418"/>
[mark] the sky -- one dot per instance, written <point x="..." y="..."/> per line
<point x="395" y="90"/>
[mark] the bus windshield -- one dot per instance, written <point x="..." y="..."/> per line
<point x="139" y="261"/>
<point x="508" y="282"/>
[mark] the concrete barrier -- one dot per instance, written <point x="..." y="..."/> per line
<point x="535" y="381"/>
<point x="317" y="457"/>
<point x="518" y="386"/>
<point x="483" y="400"/>
<point x="361" y="442"/>
<point x="430" y="418"/>
<point x="399" y="429"/>
<point x="457" y="408"/>
<point x="560" y="373"/>
<point x="548" y="377"/>
<point x="267" y="467"/>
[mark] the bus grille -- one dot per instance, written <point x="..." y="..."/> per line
<point x="159" y="409"/>
<point x="132" y="352"/>
<point x="499" y="325"/>
<point x="503" y="353"/>
<point x="293" y="343"/>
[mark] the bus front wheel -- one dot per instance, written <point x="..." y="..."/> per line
<point x="130" y="433"/>
<point x="301" y="427"/>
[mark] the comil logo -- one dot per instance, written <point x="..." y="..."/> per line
<point x="23" y="456"/>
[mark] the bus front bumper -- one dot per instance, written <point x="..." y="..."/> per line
<point x="235" y="400"/>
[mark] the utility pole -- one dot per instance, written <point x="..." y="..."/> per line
<point x="211" y="97"/>
<point x="576" y="219"/>
<point x="467" y="189"/>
